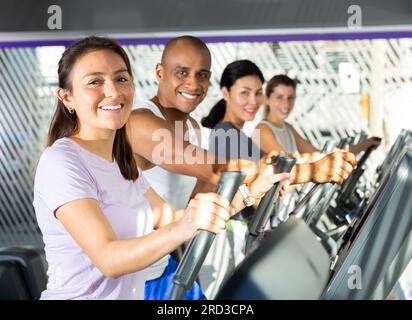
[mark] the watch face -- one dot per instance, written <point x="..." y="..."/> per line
<point x="249" y="201"/>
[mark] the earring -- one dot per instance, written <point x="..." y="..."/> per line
<point x="71" y="111"/>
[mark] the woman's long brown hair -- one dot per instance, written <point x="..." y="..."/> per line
<point x="65" y="124"/>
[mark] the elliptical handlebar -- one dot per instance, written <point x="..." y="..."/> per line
<point x="198" y="248"/>
<point x="267" y="205"/>
<point x="350" y="183"/>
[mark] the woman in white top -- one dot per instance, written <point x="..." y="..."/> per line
<point x="277" y="134"/>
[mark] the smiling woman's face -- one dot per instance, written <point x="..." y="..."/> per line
<point x="244" y="98"/>
<point x="102" y="91"/>
<point x="281" y="101"/>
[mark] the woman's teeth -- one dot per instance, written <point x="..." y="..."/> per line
<point x="116" y="107"/>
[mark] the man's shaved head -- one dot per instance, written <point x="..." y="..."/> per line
<point x="184" y="40"/>
<point x="183" y="74"/>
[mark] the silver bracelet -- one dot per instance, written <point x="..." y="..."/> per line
<point x="248" y="200"/>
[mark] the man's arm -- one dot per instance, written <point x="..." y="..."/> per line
<point x="153" y="139"/>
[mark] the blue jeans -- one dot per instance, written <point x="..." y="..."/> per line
<point x="160" y="288"/>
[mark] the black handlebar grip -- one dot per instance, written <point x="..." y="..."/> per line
<point x="343" y="143"/>
<point x="198" y="248"/>
<point x="365" y="157"/>
<point x="267" y="204"/>
<point x="367" y="153"/>
<point x="350" y="183"/>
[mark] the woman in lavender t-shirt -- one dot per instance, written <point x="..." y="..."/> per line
<point x="96" y="212"/>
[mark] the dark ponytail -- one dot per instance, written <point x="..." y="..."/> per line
<point x="215" y="115"/>
<point x="233" y="71"/>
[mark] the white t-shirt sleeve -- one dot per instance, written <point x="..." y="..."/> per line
<point x="205" y="132"/>
<point x="62" y="177"/>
